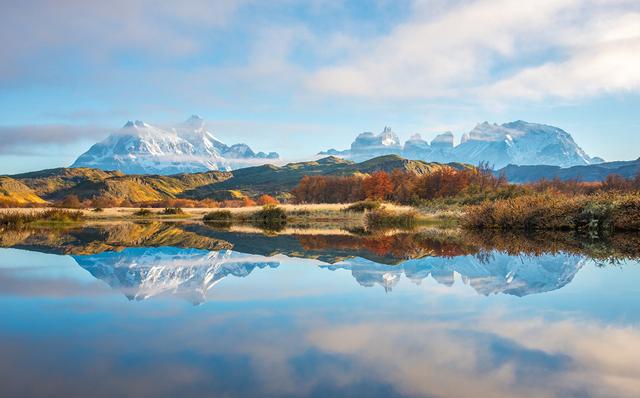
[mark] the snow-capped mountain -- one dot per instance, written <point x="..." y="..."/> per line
<point x="368" y="145"/>
<point x="518" y="143"/>
<point x="140" y="148"/>
<point x="141" y="273"/>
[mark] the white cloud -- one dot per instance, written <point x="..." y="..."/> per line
<point x="96" y="30"/>
<point x="30" y="139"/>
<point x="563" y="48"/>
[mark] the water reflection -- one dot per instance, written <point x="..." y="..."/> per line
<point x="286" y="315"/>
<point x="187" y="259"/>
<point x="492" y="274"/>
<point x="141" y="273"/>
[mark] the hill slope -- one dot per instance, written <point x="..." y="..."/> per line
<point x="274" y="179"/>
<point x="13" y="191"/>
<point x="55" y="184"/>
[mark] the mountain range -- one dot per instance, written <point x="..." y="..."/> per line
<point x="518" y="143"/>
<point x="140" y="148"/>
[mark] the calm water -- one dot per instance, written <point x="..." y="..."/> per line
<point x="166" y="310"/>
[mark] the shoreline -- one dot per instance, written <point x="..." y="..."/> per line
<point x="127" y="213"/>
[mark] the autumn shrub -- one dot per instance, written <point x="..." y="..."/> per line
<point x="363" y="205"/>
<point x="13" y="219"/>
<point x="143" y="213"/>
<point x="381" y="219"/>
<point x="267" y="200"/>
<point x="600" y="212"/>
<point x="73" y="202"/>
<point x="625" y="215"/>
<point x="208" y="203"/>
<point x="231" y="203"/>
<point x="171" y="211"/>
<point x="104" y="202"/>
<point x="269" y="217"/>
<point x="248" y="202"/>
<point x="218" y="216"/>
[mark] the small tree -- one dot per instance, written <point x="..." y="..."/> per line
<point x="378" y="186"/>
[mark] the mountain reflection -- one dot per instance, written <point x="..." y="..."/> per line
<point x="501" y="273"/>
<point x="186" y="260"/>
<point x="141" y="273"/>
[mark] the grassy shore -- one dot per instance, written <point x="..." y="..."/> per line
<point x="601" y="212"/>
<point x="293" y="216"/>
<point x="13" y="219"/>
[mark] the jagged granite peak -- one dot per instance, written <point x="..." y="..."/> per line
<point x="141" y="148"/>
<point x="416" y="147"/>
<point x="518" y="143"/>
<point x="368" y="145"/>
<point x="368" y="140"/>
<point x="443" y="140"/>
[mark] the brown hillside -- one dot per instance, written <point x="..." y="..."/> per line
<point x="13" y="191"/>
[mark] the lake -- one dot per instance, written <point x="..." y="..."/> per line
<point x="166" y="309"/>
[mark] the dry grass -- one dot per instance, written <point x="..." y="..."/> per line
<point x="198" y="212"/>
<point x="383" y="219"/>
<point x="607" y="211"/>
<point x="16" y="219"/>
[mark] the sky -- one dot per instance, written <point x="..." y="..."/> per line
<point x="297" y="77"/>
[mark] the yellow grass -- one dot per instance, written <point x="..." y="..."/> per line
<point x="197" y="213"/>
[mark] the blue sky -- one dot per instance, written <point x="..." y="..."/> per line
<point x="300" y="76"/>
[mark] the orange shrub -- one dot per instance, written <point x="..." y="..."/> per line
<point x="267" y="200"/>
<point x="231" y="203"/>
<point x="248" y="202"/>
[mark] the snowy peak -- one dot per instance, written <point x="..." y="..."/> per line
<point x="141" y="148"/>
<point x="518" y="143"/>
<point x="366" y="144"/>
<point x="388" y="138"/>
<point x="492" y="133"/>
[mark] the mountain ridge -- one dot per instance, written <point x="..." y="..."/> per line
<point x="140" y="148"/>
<point x="585" y="173"/>
<point x="517" y="142"/>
